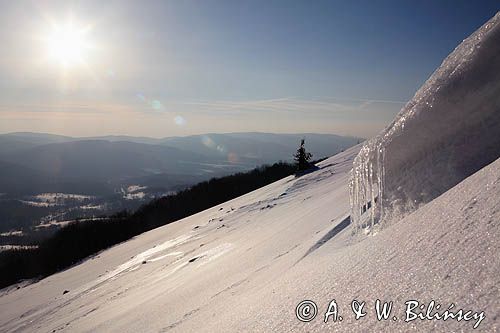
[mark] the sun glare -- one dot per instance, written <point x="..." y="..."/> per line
<point x="67" y="44"/>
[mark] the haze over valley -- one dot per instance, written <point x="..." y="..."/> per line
<point x="48" y="180"/>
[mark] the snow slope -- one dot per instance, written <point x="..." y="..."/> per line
<point x="449" y="130"/>
<point x="246" y="264"/>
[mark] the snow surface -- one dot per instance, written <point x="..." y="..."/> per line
<point x="12" y="233"/>
<point x="245" y="265"/>
<point x="16" y="247"/>
<point x="449" y="130"/>
<point x="54" y="199"/>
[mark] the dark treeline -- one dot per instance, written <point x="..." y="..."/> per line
<point x="79" y="240"/>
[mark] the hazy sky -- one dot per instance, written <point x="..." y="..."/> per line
<point x="164" y="68"/>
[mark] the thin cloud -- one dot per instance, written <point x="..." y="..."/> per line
<point x="328" y="105"/>
<point x="282" y="105"/>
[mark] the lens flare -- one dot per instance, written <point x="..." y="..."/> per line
<point x="179" y="120"/>
<point x="232" y="158"/>
<point x="156" y="105"/>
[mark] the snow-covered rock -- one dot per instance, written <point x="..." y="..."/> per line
<point x="449" y="130"/>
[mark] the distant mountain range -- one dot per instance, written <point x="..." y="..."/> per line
<point x="37" y="162"/>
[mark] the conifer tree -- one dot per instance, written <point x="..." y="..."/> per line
<point x="302" y="157"/>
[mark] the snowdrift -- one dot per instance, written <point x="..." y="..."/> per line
<point x="448" y="131"/>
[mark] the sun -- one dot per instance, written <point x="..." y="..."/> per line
<point x="68" y="44"/>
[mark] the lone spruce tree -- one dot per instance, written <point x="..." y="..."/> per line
<point x="302" y="157"/>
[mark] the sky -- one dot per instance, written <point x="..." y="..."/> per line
<point x="174" y="68"/>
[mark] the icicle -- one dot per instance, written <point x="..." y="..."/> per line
<point x="425" y="126"/>
<point x="372" y="198"/>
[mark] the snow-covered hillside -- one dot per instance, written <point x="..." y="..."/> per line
<point x="246" y="264"/>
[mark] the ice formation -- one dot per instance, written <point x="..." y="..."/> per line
<point x="449" y="130"/>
